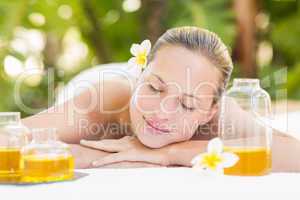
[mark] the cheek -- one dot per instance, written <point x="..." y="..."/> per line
<point x="133" y="109"/>
<point x="140" y="105"/>
<point x="135" y="117"/>
<point x="186" y="127"/>
<point x="145" y="102"/>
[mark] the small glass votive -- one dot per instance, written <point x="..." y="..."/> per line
<point x="46" y="158"/>
<point x="250" y="136"/>
<point x="12" y="140"/>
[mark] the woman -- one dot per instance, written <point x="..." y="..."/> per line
<point x="160" y="119"/>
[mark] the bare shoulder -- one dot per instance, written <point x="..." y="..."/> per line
<point x="111" y="97"/>
<point x="115" y="92"/>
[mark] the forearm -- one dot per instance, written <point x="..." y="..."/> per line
<point x="182" y="153"/>
<point x="285" y="153"/>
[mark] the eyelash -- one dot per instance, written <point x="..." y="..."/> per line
<point x="182" y="104"/>
<point x="154" y="89"/>
<point x="187" y="108"/>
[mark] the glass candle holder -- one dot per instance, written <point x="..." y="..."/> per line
<point x="46" y="158"/>
<point x="12" y="139"/>
<point x="245" y="127"/>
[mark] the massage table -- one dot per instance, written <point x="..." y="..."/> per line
<point x="158" y="183"/>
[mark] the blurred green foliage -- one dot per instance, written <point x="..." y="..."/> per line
<point x="105" y="30"/>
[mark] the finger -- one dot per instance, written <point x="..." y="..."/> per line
<point x="108" y="145"/>
<point x="129" y="164"/>
<point x="110" y="159"/>
<point x="111" y="145"/>
<point x="84" y="155"/>
<point x="131" y="156"/>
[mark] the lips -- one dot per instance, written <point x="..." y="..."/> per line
<point x="155" y="126"/>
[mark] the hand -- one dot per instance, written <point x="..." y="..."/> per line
<point x="127" y="164"/>
<point x="128" y="149"/>
<point x="84" y="156"/>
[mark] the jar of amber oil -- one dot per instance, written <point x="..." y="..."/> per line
<point x="46" y="158"/>
<point x="12" y="139"/>
<point x="245" y="127"/>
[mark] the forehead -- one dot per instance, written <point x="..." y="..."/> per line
<point x="190" y="70"/>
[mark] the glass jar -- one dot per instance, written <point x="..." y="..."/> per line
<point x="46" y="158"/>
<point x="245" y="127"/>
<point x="12" y="139"/>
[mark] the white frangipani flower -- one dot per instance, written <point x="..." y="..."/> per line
<point x="215" y="159"/>
<point x="140" y="53"/>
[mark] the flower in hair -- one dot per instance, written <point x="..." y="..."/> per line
<point x="140" y="53"/>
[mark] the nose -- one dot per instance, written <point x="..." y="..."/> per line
<point x="169" y="104"/>
<point x="157" y="120"/>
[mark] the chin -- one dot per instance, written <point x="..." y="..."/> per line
<point x="151" y="142"/>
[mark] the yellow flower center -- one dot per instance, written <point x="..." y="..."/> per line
<point x="141" y="58"/>
<point x="211" y="160"/>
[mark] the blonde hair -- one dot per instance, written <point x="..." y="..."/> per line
<point x="204" y="41"/>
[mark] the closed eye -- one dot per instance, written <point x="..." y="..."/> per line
<point x="187" y="108"/>
<point x="153" y="88"/>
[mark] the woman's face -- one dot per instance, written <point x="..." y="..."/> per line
<point x="173" y="97"/>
